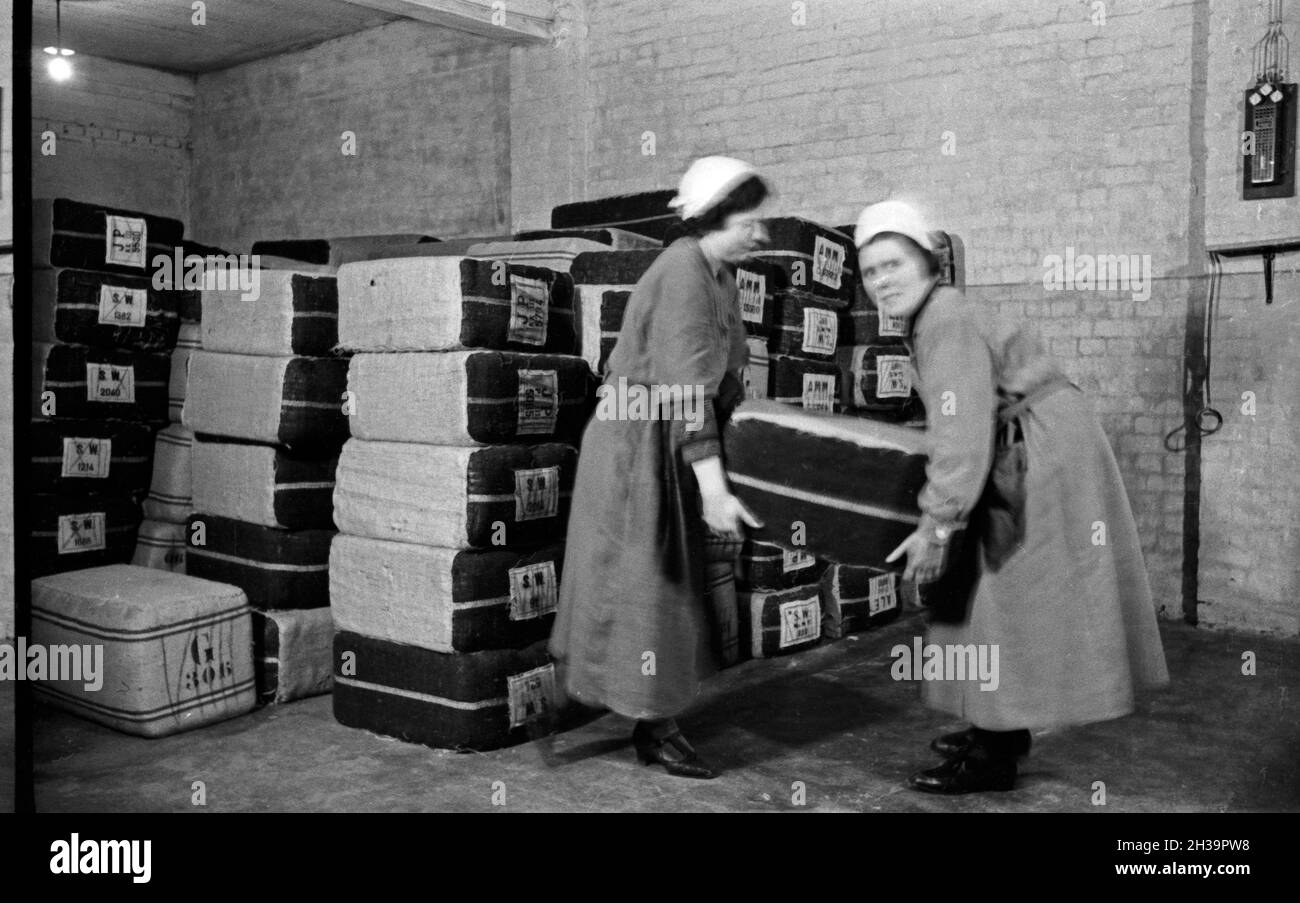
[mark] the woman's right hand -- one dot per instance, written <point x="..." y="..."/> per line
<point x="727" y="515"/>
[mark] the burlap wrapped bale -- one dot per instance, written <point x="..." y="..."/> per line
<point x="68" y="233"/>
<point x="177" y="651"/>
<point x="171" y="488"/>
<point x="804" y="325"/>
<point x="326" y="255"/>
<point x="293" y="654"/>
<point x="90" y="456"/>
<point x="756" y="287"/>
<point x="812" y="385"/>
<point x="756" y="376"/>
<point x="469" y="397"/>
<point x="466" y="700"/>
<point x="160" y="544"/>
<point x="780" y="621"/>
<point x="73" y="530"/>
<point x="552" y="253"/>
<point x="98" y="383"/>
<point x="293" y="401"/>
<point x="290" y="313"/>
<point x="450" y="303"/>
<point x="276" y="569"/>
<point x="878" y="379"/>
<point x="187" y="342"/>
<point x="856" y="598"/>
<point x="811" y="258"/>
<point x="765" y="565"/>
<point x="112" y="311"/>
<point x="602" y="283"/>
<point x="264" y="484"/>
<point x="646" y="213"/>
<point x="614" y="239"/>
<point x="454" y="497"/>
<point x="449" y="600"/>
<point x="853" y="483"/>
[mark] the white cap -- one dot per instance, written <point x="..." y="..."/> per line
<point x="707" y="182"/>
<point x="892" y="216"/>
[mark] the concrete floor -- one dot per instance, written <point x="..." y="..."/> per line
<point x="831" y="718"/>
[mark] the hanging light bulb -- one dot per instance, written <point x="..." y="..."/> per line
<point x="59" y="66"/>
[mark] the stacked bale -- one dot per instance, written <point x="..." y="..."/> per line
<point x="452" y="496"/>
<point x="778" y="599"/>
<point x="103" y="330"/>
<point x="265" y="402"/>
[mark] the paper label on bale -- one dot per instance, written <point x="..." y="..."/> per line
<point x="532" y="695"/>
<point x="539" y="402"/>
<point x="537" y="493"/>
<point x="818" y="391"/>
<point x="819" y="331"/>
<point x="881" y="595"/>
<point x="893" y="326"/>
<point x="528" y="304"/>
<point x="87" y="458"/>
<point x="126" y="240"/>
<point x="120" y="306"/>
<point x="752" y="288"/>
<point x="532" y="590"/>
<point x="828" y="262"/>
<point x="81" y="533"/>
<point x="892" y="377"/>
<point x="111" y="383"/>
<point x="801" y="622"/>
<point x="796" y="561"/>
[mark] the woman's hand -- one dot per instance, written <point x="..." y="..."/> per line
<point x="727" y="515"/>
<point x="925" y="559"/>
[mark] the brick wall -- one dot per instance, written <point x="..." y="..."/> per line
<point x="1250" y="492"/>
<point x="429" y="109"/>
<point x="122" y="135"/>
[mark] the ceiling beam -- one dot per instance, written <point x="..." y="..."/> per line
<point x="516" y="21"/>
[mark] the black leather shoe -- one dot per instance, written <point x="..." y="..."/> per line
<point x="966" y="774"/>
<point x="960" y="743"/>
<point x="685" y="764"/>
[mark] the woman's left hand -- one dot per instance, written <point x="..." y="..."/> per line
<point x="925" y="559"/>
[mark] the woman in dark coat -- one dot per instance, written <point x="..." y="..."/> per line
<point x="1067" y="602"/>
<point x="632" y="632"/>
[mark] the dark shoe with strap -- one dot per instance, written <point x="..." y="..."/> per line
<point x="961" y="742"/>
<point x="966" y="774"/>
<point x="672" y="752"/>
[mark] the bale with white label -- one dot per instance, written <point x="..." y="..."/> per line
<point x="276" y="569"/>
<point x="450" y="303"/>
<point x="756" y="375"/>
<point x="804" y="325"/>
<point x="857" y="598"/>
<point x="814" y="385"/>
<point x="67" y="233"/>
<point x="878" y="379"/>
<point x="81" y="530"/>
<point x="90" y="455"/>
<point x="287" y="313"/>
<point x="467" y="700"/>
<point x="450" y="600"/>
<point x="264" y="484"/>
<point x="88" y="308"/>
<point x="766" y="565"/>
<point x="469" y="397"/>
<point x="98" y="383"/>
<point x="454" y="497"/>
<point x="293" y="654"/>
<point x="177" y="651"/>
<point x="811" y="258"/>
<point x="292" y="401"/>
<point x="780" y="621"/>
